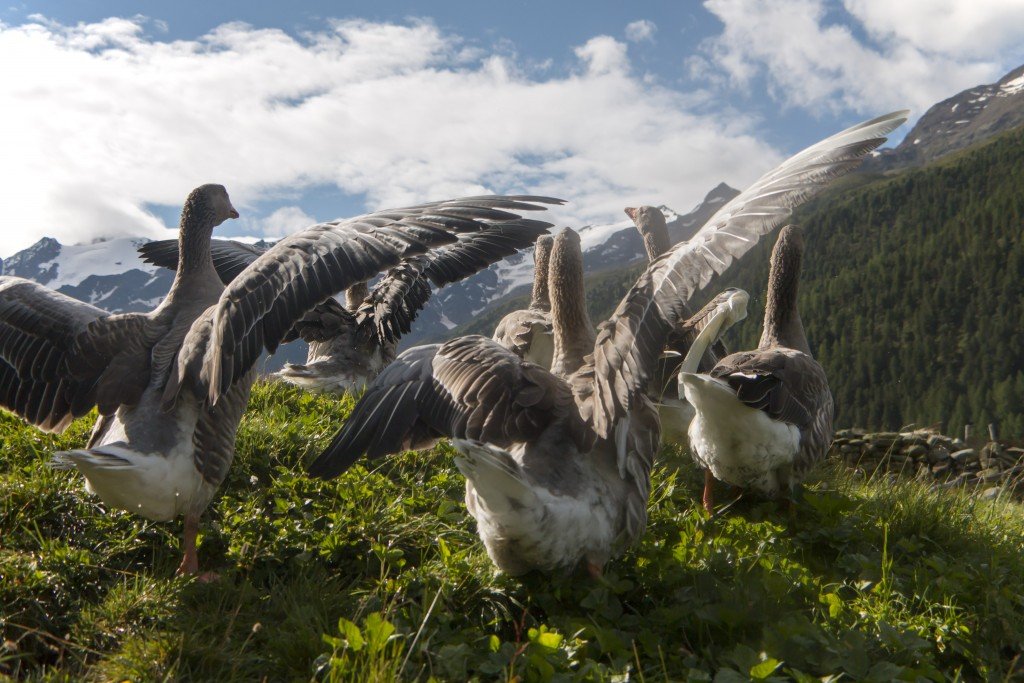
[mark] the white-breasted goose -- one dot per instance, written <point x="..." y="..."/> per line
<point x="726" y="309"/>
<point x="764" y="417"/>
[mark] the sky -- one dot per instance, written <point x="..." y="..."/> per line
<point x="111" y="112"/>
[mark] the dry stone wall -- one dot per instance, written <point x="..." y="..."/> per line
<point x="993" y="469"/>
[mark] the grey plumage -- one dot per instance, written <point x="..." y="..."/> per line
<point x="163" y="445"/>
<point x="60" y="357"/>
<point x="544" y="492"/>
<point x="781" y="378"/>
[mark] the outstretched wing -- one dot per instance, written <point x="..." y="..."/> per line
<point x="259" y="307"/>
<point x="324" y="321"/>
<point x="229" y="257"/>
<point x="400" y="295"/>
<point x="468" y="388"/>
<point x="59" y="357"/>
<point x="630" y="342"/>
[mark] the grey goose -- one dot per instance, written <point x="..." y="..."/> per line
<point x="164" y="442"/>
<point x="764" y="417"/>
<point x="528" y="332"/>
<point x="350" y="344"/>
<point x="558" y="468"/>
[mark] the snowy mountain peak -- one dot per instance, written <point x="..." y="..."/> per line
<point x="967" y="118"/>
<point x="108" y="273"/>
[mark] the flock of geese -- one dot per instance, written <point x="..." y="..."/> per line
<point x="556" y="423"/>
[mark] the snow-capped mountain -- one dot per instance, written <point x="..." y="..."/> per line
<point x="958" y="122"/>
<point x="108" y="274"/>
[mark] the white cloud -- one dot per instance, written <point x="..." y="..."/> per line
<point x="919" y="52"/>
<point x="640" y="30"/>
<point x="101" y="120"/>
<point x="978" y="28"/>
<point x="603" y="55"/>
<point x="283" y="221"/>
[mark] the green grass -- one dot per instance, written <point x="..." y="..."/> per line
<point x="379" y="575"/>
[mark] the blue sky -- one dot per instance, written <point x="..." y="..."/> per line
<point x="310" y="111"/>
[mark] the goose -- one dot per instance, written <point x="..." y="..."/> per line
<point x="764" y="417"/>
<point x="349" y="345"/>
<point x="343" y="355"/>
<point x="162" y="444"/>
<point x="528" y="332"/>
<point x="558" y="467"/>
<point x="729" y="307"/>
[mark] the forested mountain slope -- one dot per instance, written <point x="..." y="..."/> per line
<point x="912" y="293"/>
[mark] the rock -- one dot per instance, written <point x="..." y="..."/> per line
<point x="938" y="454"/>
<point x="959" y="480"/>
<point x="939" y="440"/>
<point x="990" y="452"/>
<point x="964" y="455"/>
<point x="883" y="440"/>
<point x="991" y="493"/>
<point x="940" y="470"/>
<point x="917" y="450"/>
<point x="990" y="476"/>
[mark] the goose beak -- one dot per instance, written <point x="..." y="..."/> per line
<point x="631" y="212"/>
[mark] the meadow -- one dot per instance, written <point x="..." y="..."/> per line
<point x="378" y="575"/>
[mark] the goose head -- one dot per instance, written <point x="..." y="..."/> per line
<point x="650" y="223"/>
<point x="207" y="207"/>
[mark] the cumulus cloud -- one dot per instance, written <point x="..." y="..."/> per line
<point x="640" y="30"/>
<point x="603" y="55"/>
<point x="912" y="53"/>
<point x="282" y="221"/>
<point x="102" y="120"/>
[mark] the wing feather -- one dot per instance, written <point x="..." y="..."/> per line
<point x="59" y="356"/>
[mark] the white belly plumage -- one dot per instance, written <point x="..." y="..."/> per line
<point x="158" y="486"/>
<point x="524" y="527"/>
<point x="740" y="445"/>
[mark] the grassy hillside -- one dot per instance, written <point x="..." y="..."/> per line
<point x="379" y="575"/>
<point x="912" y="293"/>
